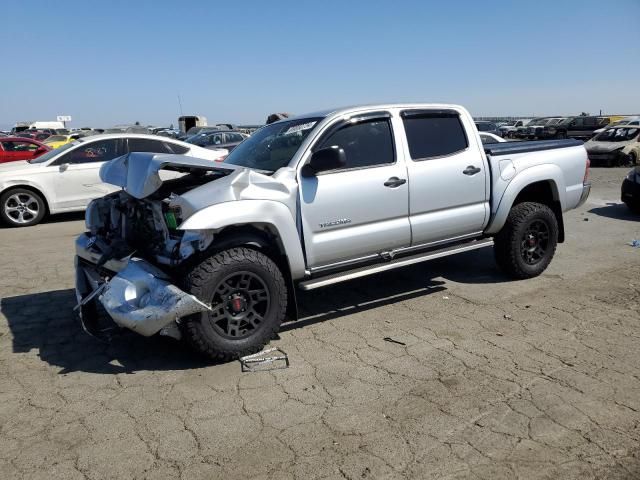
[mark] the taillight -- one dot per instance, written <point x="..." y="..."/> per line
<point x="586" y="172"/>
<point x="221" y="159"/>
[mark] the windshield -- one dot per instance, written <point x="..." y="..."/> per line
<point x="535" y="121"/>
<point x="272" y="147"/>
<point x="619" y="134"/>
<point x="53" y="153"/>
<point x="554" y="121"/>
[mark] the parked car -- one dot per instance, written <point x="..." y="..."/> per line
<point x="487" y="137"/>
<point x="630" y="191"/>
<point x="509" y="129"/>
<point x="67" y="178"/>
<point x="574" y="127"/>
<point x="489" y="127"/>
<point x="607" y="148"/>
<point x="535" y="131"/>
<point x="521" y="132"/>
<point x="57" y="141"/>
<point x="13" y="149"/>
<point x="34" y="134"/>
<point x="634" y="120"/>
<point x="168" y="132"/>
<point x="313" y="201"/>
<point x="219" y="139"/>
<point x="202" y="129"/>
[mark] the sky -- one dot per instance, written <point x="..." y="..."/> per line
<point x="121" y="61"/>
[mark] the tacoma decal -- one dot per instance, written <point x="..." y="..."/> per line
<point x="342" y="221"/>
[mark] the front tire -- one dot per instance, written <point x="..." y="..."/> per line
<point x="20" y="207"/>
<point x="561" y="135"/>
<point x="248" y="297"/>
<point x="527" y="242"/>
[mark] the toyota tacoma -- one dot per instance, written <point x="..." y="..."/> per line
<point x="214" y="253"/>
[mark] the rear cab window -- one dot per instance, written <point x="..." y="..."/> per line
<point x="434" y="133"/>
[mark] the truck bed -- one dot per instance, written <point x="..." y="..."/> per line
<point x="511" y="148"/>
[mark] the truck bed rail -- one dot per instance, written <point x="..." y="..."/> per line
<point x="511" y="148"/>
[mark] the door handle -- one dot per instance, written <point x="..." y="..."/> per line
<point x="394" y="182"/>
<point x="471" y="170"/>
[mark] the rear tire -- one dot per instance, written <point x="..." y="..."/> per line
<point x="20" y="207"/>
<point x="248" y="296"/>
<point x="527" y="242"/>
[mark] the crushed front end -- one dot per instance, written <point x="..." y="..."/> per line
<point x="125" y="264"/>
<point x="127" y="260"/>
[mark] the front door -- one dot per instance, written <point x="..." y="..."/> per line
<point x="362" y="209"/>
<point x="448" y="176"/>
<point x="78" y="173"/>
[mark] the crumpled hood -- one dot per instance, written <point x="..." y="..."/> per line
<point x="605" y="147"/>
<point x="139" y="173"/>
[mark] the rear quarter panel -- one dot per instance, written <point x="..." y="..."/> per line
<point x="563" y="167"/>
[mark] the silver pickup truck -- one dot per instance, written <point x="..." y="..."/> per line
<point x="214" y="252"/>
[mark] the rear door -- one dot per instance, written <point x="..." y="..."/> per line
<point x="448" y="176"/>
<point x="361" y="210"/>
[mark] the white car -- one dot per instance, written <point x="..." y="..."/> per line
<point x="67" y="179"/>
<point x="487" y="137"/>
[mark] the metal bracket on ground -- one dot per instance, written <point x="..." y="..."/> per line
<point x="259" y="362"/>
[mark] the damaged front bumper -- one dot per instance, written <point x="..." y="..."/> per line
<point x="134" y="293"/>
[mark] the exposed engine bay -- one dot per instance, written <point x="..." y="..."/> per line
<point x="120" y="225"/>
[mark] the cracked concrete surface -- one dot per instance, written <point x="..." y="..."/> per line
<point x="497" y="379"/>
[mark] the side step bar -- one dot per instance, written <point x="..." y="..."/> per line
<point x="398" y="263"/>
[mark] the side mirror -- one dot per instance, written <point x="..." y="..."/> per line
<point x="63" y="167"/>
<point x="329" y="158"/>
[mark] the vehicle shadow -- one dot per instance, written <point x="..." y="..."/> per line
<point x="366" y="293"/>
<point x="64" y="217"/>
<point x="46" y="322"/>
<point x="57" y="218"/>
<point x="617" y="211"/>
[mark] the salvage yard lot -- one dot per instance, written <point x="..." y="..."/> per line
<point x="487" y="378"/>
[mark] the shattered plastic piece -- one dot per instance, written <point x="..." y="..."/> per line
<point x="634" y="243"/>
<point x="391" y="340"/>
<point x="445" y="298"/>
<point x="141" y="298"/>
<point x="500" y="334"/>
<point x="507" y="316"/>
<point x="258" y="362"/>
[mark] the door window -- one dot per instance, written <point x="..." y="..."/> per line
<point x="434" y="135"/>
<point x="19" y="146"/>
<point x="234" y="137"/>
<point x="215" y="139"/>
<point x="366" y="144"/>
<point x="175" y="148"/>
<point x="100" y="151"/>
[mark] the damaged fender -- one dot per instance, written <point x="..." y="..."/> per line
<point x="252" y="212"/>
<point x="142" y="299"/>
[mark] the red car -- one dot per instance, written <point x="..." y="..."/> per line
<point x="19" y="148"/>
